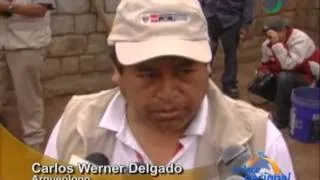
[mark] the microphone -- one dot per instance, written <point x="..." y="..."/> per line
<point x="235" y="177"/>
<point x="94" y="158"/>
<point x="234" y="157"/>
<point x="98" y="159"/>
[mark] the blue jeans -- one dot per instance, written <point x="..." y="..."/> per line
<point x="230" y="39"/>
<point x="286" y="82"/>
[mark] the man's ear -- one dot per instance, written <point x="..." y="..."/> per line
<point x="115" y="76"/>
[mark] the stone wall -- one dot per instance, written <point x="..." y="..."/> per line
<point x="307" y="18"/>
<point x="77" y="59"/>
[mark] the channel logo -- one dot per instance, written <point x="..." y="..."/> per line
<point x="261" y="168"/>
<point x="273" y="6"/>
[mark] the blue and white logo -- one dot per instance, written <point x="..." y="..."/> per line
<point x="261" y="168"/>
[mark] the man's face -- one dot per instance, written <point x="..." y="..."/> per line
<point x="165" y="92"/>
<point x="282" y="35"/>
<point x="276" y="36"/>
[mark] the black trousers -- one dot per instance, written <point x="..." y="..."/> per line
<point x="230" y="39"/>
<point x="286" y="82"/>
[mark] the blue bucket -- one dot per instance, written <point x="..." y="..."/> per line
<point x="305" y="114"/>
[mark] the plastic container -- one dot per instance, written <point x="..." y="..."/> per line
<point x="305" y="115"/>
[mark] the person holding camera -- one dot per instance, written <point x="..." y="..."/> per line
<point x="292" y="57"/>
<point x="24" y="32"/>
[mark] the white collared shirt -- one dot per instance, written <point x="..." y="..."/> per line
<point x="128" y="150"/>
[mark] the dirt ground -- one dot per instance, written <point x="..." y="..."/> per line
<point x="306" y="157"/>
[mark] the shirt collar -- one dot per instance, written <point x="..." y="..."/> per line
<point x="114" y="118"/>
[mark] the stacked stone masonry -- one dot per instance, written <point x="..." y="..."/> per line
<point x="77" y="61"/>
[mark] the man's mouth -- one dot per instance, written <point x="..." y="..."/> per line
<point x="167" y="115"/>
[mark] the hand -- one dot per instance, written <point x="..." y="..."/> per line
<point x="261" y="74"/>
<point x="243" y="34"/>
<point x="273" y="36"/>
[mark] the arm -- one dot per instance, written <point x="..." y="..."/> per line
<point x="30" y="10"/>
<point x="248" y="13"/>
<point x="265" y="65"/>
<point x="291" y="58"/>
<point x="100" y="11"/>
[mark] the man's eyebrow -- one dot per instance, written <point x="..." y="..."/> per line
<point x="186" y="63"/>
<point x="144" y="68"/>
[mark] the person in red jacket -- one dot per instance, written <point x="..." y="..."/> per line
<point x="292" y="56"/>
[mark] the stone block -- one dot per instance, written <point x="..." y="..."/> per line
<point x="249" y="44"/>
<point x="290" y="15"/>
<point x="85" y="23"/>
<point x="314" y="36"/>
<point x="258" y="9"/>
<point x="102" y="27"/>
<point x="290" y="5"/>
<point x="50" y="68"/>
<point x="309" y="4"/>
<point x="313" y="19"/>
<point x="62" y="24"/>
<point x="299" y="20"/>
<point x="87" y="63"/>
<point x="68" y="45"/>
<point x="2" y="55"/>
<point x="307" y="19"/>
<point x="99" y="2"/>
<point x="70" y="65"/>
<point x="73" y="6"/>
<point x="97" y="43"/>
<point x="315" y="4"/>
<point x="103" y="62"/>
<point x="257" y="26"/>
<point x="77" y="84"/>
<point x="111" y="6"/>
<point x="251" y="55"/>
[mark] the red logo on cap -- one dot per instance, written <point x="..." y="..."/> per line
<point x="154" y="18"/>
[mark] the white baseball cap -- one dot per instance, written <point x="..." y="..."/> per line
<point x="146" y="29"/>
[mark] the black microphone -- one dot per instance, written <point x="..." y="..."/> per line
<point x="94" y="158"/>
<point x="235" y="177"/>
<point x="234" y="157"/>
<point x="98" y="159"/>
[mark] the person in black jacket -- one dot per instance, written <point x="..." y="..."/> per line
<point x="229" y="21"/>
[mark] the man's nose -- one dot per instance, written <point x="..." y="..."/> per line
<point x="167" y="88"/>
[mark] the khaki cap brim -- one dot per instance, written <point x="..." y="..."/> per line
<point x="131" y="53"/>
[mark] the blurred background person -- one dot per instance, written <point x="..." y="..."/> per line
<point x="24" y="31"/>
<point x="290" y="55"/>
<point x="228" y="20"/>
<point x="3" y="121"/>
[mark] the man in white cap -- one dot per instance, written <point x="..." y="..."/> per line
<point x="165" y="110"/>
